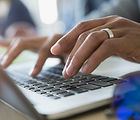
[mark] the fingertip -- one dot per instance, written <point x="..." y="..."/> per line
<point x="56" y="49"/>
<point x="4" y="64"/>
<point x="33" y="72"/>
<point x="85" y="69"/>
<point x="65" y="74"/>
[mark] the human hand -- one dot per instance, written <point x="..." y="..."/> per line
<point x="90" y="45"/>
<point x="42" y="45"/>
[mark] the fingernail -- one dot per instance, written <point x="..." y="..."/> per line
<point x="70" y="70"/>
<point x="85" y="69"/>
<point x="55" y="49"/>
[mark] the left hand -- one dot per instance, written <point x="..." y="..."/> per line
<point x="41" y="45"/>
<point x="90" y="45"/>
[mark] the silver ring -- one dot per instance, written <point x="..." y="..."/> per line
<point x="109" y="32"/>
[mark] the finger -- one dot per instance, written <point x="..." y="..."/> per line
<point x="66" y="65"/>
<point x="91" y="43"/>
<point x="80" y="40"/>
<point x="69" y="40"/>
<point x="106" y="50"/>
<point x="4" y="56"/>
<point x="10" y="55"/>
<point x="10" y="46"/>
<point x="44" y="53"/>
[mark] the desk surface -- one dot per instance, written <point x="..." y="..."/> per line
<point x="8" y="113"/>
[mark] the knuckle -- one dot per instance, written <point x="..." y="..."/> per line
<point x="112" y="17"/>
<point x="115" y="16"/>
<point x="82" y="25"/>
<point x="94" y="36"/>
<point x="82" y="37"/>
<point x="120" y="20"/>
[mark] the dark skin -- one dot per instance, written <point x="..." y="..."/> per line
<point x="86" y="45"/>
<point x="90" y="45"/>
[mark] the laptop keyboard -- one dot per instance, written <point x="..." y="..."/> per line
<point x="51" y="83"/>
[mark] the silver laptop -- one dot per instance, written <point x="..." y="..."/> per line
<point x="50" y="96"/>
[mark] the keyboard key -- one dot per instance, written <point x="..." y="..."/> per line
<point x="59" y="92"/>
<point x="48" y="87"/>
<point x="87" y="80"/>
<point x="51" y="83"/>
<point x="31" y="88"/>
<point x="100" y="83"/>
<point x="31" y="81"/>
<point x="47" y="94"/>
<point x="90" y="76"/>
<point x="54" y="90"/>
<point x="43" y="93"/>
<point x="42" y="86"/>
<point x="65" y="86"/>
<point x="37" y="90"/>
<point x="91" y="87"/>
<point x="55" y="97"/>
<point x="108" y="79"/>
<point x="78" y="90"/>
<point x="37" y="84"/>
<point x="57" y="84"/>
<point x="101" y="77"/>
<point x="26" y="86"/>
<point x="79" y="84"/>
<point x="116" y="81"/>
<point x="66" y="94"/>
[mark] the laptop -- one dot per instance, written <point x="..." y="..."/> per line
<point x="50" y="96"/>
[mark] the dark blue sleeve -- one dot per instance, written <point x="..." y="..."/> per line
<point x="18" y="13"/>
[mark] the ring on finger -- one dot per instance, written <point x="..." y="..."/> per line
<point x="109" y="32"/>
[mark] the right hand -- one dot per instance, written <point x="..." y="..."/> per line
<point x="42" y="45"/>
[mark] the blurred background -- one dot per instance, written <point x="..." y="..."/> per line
<point x="47" y="17"/>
